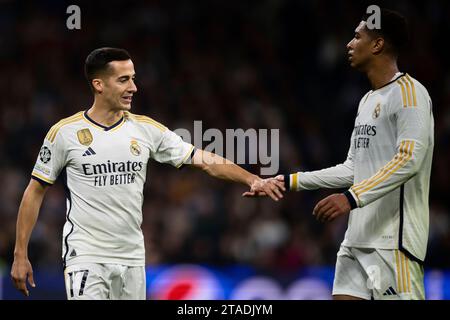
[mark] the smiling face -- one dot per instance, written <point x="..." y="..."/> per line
<point x="116" y="86"/>
<point x="360" y="48"/>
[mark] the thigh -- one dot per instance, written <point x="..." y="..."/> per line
<point x="87" y="281"/>
<point x="391" y="274"/>
<point x="401" y="273"/>
<point x="350" y="278"/>
<point x="417" y="286"/>
<point x="134" y="284"/>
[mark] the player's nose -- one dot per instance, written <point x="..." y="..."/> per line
<point x="132" y="88"/>
<point x="349" y="44"/>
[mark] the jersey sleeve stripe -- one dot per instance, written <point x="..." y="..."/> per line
<point x="54" y="130"/>
<point x="149" y="120"/>
<point x="408" y="276"/>
<point x="386" y="172"/>
<point x="54" y="127"/>
<point x="397" y="264"/>
<point x="53" y="136"/>
<point x="403" y="93"/>
<point x="36" y="175"/>
<point x="380" y="172"/>
<point x="413" y="90"/>
<point x="403" y="271"/>
<point x="408" y="91"/>
<point x="160" y="127"/>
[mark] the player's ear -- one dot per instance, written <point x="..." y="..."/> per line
<point x="378" y="45"/>
<point x="98" y="85"/>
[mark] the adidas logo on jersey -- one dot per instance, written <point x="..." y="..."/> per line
<point x="73" y="253"/>
<point x="89" y="152"/>
<point x="390" y="292"/>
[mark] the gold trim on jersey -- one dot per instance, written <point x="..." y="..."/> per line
<point x="408" y="91"/>
<point x="397" y="264"/>
<point x="365" y="181"/>
<point x="37" y="175"/>
<point x="413" y="90"/>
<point x="51" y="135"/>
<point x="403" y="93"/>
<point x="403" y="272"/>
<point x="185" y="157"/>
<point x="145" y="119"/>
<point x="409" y="98"/>
<point x="408" y="276"/>
<point x="400" y="159"/>
<point x="294" y="181"/>
<point x="402" y="256"/>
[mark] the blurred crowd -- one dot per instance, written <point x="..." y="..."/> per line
<point x="232" y="64"/>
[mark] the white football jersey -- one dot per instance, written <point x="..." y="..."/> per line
<point x="104" y="171"/>
<point x="387" y="169"/>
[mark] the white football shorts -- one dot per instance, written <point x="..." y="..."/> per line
<point x="97" y="281"/>
<point x="379" y="274"/>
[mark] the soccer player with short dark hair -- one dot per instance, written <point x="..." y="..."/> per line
<point x="387" y="173"/>
<point x="102" y="155"/>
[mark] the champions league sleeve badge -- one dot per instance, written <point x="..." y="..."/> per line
<point x="45" y="154"/>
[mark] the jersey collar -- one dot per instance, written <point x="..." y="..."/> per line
<point x="395" y="78"/>
<point x="100" y="126"/>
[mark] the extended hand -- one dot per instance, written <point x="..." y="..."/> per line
<point x="267" y="187"/>
<point x="22" y="271"/>
<point x="332" y="207"/>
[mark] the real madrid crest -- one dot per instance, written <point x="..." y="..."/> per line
<point x="376" y="111"/>
<point x="135" y="148"/>
<point x="85" y="137"/>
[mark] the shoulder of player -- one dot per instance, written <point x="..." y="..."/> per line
<point x="62" y="124"/>
<point x="406" y="91"/>
<point x="364" y="98"/>
<point x="145" y="121"/>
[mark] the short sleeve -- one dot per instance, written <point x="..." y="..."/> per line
<point x="50" y="160"/>
<point x="173" y="150"/>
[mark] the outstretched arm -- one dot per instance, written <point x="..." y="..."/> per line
<point x="21" y="270"/>
<point x="222" y="168"/>
<point x="339" y="176"/>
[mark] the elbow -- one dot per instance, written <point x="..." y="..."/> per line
<point x="416" y="165"/>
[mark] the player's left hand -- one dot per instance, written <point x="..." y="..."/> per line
<point x="332" y="207"/>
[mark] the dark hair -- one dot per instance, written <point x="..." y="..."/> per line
<point x="393" y="29"/>
<point x="97" y="61"/>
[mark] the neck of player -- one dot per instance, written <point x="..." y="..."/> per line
<point x="381" y="72"/>
<point x="105" y="116"/>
